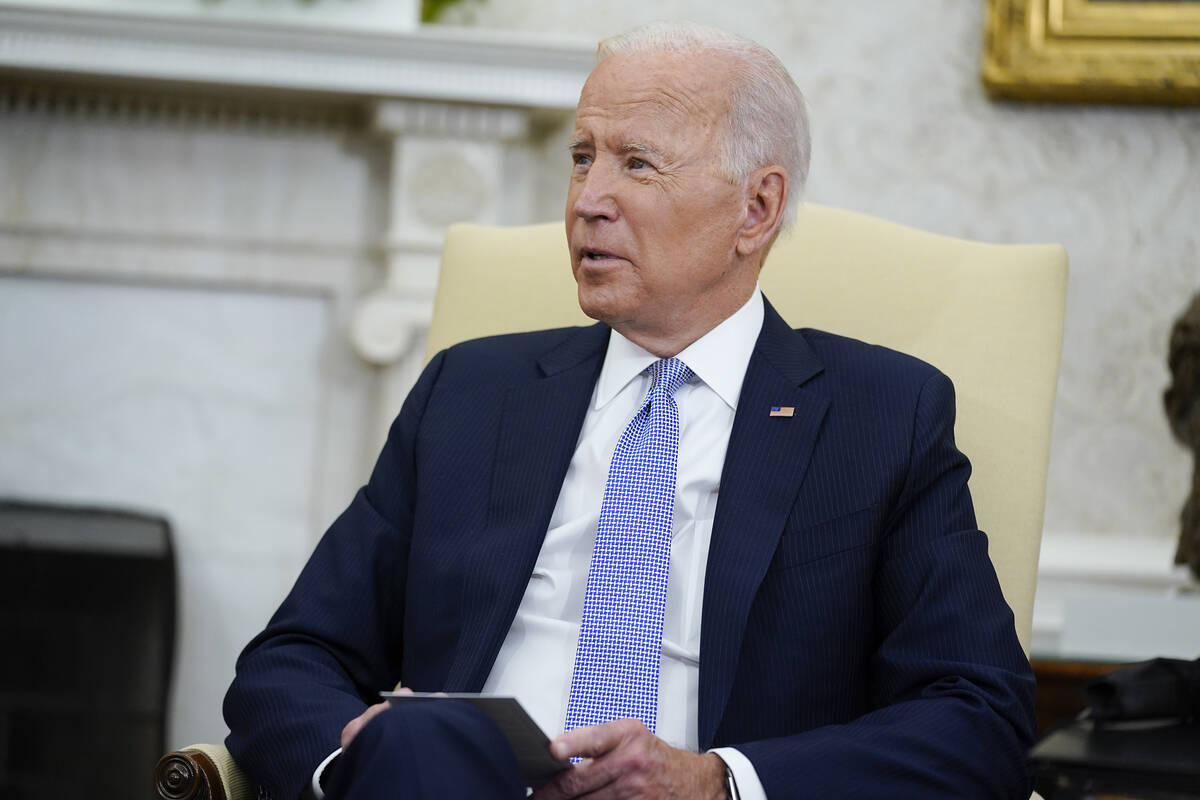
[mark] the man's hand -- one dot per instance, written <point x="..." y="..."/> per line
<point x="624" y="760"/>
<point x="358" y="723"/>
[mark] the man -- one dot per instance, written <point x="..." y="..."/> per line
<point x="723" y="555"/>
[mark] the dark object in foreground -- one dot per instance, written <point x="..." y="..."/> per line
<point x="1138" y="760"/>
<point x="87" y="621"/>
<point x="1164" y="688"/>
<point x="1182" y="404"/>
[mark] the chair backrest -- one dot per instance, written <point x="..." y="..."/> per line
<point x="989" y="316"/>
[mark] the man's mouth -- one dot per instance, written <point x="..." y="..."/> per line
<point x="597" y="255"/>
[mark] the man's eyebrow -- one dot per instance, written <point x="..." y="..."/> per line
<point x="641" y="147"/>
<point x="628" y="147"/>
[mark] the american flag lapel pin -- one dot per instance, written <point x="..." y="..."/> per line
<point x="782" y="411"/>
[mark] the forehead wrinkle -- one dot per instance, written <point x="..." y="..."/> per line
<point x="684" y="103"/>
<point x="690" y="86"/>
<point x="618" y="130"/>
<point x="679" y="104"/>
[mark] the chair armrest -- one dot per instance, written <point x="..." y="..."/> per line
<point x="200" y="772"/>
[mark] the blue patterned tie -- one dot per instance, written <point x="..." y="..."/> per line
<point x="620" y="634"/>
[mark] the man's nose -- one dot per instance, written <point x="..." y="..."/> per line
<point x="595" y="195"/>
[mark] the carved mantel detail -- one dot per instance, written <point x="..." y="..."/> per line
<point x="446" y="166"/>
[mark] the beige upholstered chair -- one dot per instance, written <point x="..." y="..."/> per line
<point x="989" y="316"/>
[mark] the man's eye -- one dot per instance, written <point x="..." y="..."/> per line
<point x="581" y="159"/>
<point x="638" y="163"/>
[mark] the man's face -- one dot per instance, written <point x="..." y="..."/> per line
<point x="651" y="220"/>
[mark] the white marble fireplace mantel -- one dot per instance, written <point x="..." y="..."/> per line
<point x="432" y="62"/>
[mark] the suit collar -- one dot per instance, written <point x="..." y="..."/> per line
<point x="764" y="467"/>
<point x="584" y="344"/>
<point x="537" y="432"/>
<point x="786" y="349"/>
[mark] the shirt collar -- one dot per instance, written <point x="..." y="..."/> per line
<point x="718" y="358"/>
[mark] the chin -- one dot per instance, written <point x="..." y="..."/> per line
<point x="600" y="303"/>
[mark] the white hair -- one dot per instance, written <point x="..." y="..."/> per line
<point x="767" y="122"/>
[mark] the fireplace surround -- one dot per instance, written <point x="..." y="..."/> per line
<point x="87" y="617"/>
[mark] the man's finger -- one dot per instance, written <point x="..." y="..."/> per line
<point x="358" y="723"/>
<point x="580" y="781"/>
<point x="594" y="740"/>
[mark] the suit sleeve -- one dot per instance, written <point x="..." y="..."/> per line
<point x="951" y="690"/>
<point x="336" y="640"/>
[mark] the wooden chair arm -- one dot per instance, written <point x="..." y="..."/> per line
<point x="200" y="772"/>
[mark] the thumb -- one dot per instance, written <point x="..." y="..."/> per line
<point x="358" y="723"/>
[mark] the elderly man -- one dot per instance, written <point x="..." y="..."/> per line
<point x="712" y="555"/>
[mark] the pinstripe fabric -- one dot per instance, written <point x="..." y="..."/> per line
<point x="854" y="638"/>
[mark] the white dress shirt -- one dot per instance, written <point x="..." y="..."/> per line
<point x="536" y="659"/>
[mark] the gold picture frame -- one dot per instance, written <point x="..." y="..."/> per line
<point x="1106" y="51"/>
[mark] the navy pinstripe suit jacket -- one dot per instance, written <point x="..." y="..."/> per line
<point x="854" y="638"/>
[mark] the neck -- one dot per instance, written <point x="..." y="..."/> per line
<point x="673" y="336"/>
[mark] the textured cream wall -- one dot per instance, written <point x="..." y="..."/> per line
<point x="902" y="129"/>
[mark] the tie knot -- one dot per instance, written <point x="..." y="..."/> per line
<point x="667" y="375"/>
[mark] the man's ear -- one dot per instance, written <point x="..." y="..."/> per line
<point x="766" y="195"/>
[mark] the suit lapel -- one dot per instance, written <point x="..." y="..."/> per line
<point x="764" y="466"/>
<point x="539" y="428"/>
